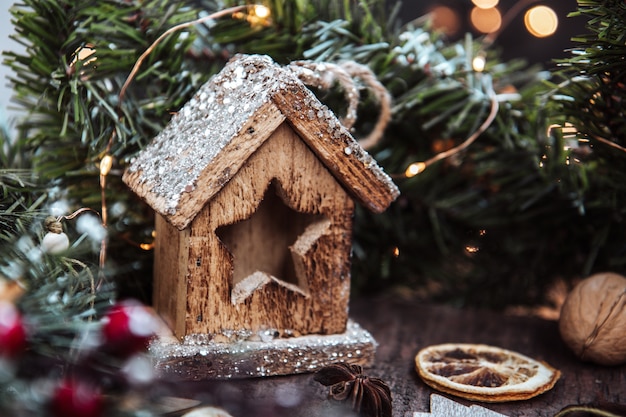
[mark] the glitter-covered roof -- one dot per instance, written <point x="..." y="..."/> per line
<point x="229" y="117"/>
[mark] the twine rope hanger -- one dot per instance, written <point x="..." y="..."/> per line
<point x="325" y="74"/>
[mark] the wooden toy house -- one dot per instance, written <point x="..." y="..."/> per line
<point x="254" y="183"/>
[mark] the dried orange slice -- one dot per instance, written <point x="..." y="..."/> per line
<point x="484" y="373"/>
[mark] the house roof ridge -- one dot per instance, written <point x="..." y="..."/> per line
<point x="167" y="170"/>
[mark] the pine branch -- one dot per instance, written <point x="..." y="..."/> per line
<point x="596" y="75"/>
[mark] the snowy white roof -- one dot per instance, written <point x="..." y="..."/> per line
<point x="194" y="156"/>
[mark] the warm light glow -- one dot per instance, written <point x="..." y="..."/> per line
<point x="396" y="252"/>
<point x="257" y="15"/>
<point x="146" y="246"/>
<point x="471" y="249"/>
<point x="262" y="12"/>
<point x="105" y="165"/>
<point x="486" y="20"/>
<point x="478" y="63"/>
<point x="485" y="4"/>
<point x="567" y="130"/>
<point x="541" y="21"/>
<point x="414" y="169"/>
<point x="445" y="19"/>
<point x="85" y="54"/>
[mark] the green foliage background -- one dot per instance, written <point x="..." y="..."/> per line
<point x="493" y="225"/>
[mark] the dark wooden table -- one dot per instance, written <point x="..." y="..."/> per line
<point x="401" y="328"/>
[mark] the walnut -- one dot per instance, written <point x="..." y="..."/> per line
<point x="593" y="319"/>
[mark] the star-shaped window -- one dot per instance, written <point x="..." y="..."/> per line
<point x="271" y="246"/>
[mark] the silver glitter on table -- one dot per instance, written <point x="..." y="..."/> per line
<point x="441" y="406"/>
<point x="243" y="354"/>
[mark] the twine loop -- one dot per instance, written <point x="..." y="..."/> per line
<point x="53" y="225"/>
<point x="325" y="74"/>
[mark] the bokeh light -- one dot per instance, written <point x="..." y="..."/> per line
<point x="485" y="4"/>
<point x="486" y="20"/>
<point x="261" y="11"/>
<point x="445" y="19"/>
<point x="86" y="54"/>
<point x="541" y="21"/>
<point x="414" y="169"/>
<point x="478" y="63"/>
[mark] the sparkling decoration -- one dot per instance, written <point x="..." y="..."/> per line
<point x="443" y="407"/>
<point x="128" y="328"/>
<point x="12" y="330"/>
<point x="241" y="354"/>
<point x="174" y="160"/>
<point x="76" y="399"/>
<point x="55" y="240"/>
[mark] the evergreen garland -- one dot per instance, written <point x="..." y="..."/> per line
<point x="591" y="95"/>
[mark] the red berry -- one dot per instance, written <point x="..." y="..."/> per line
<point x="128" y="327"/>
<point x="12" y="330"/>
<point x="75" y="399"/>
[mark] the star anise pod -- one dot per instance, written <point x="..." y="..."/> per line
<point x="368" y="397"/>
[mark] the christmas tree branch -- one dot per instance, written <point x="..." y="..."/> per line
<point x="484" y="126"/>
<point x="168" y="32"/>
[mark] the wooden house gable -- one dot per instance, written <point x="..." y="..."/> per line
<point x="270" y="248"/>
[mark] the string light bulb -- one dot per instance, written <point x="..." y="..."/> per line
<point x="472" y="249"/>
<point x="256" y="15"/>
<point x="105" y="165"/>
<point x="478" y="63"/>
<point x="414" y="169"/>
<point x="149" y="246"/>
<point x="146" y="246"/>
<point x="261" y="11"/>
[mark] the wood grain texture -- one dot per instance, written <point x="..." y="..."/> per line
<point x="338" y="150"/>
<point x="306" y="187"/>
<point x="171" y="255"/>
<point x="402" y="327"/>
<point x="319" y="259"/>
